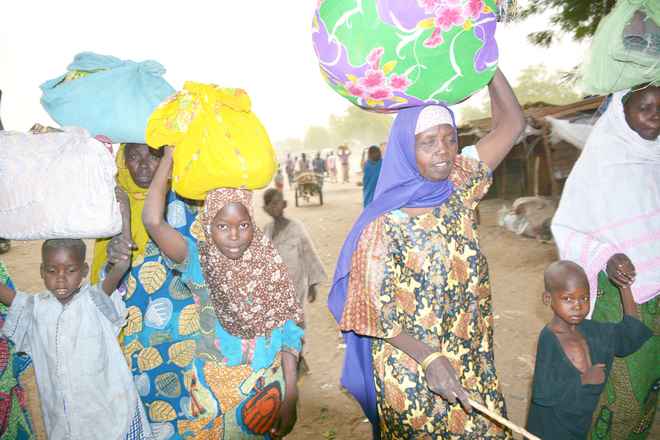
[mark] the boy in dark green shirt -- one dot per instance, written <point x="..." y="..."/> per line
<point x="575" y="355"/>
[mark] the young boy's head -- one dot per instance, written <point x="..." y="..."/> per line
<point x="63" y="267"/>
<point x="274" y="203"/>
<point x="567" y="291"/>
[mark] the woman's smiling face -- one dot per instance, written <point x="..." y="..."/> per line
<point x="435" y="151"/>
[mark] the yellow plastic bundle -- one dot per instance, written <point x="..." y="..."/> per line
<point x="218" y="142"/>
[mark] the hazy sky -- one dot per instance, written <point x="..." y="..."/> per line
<point x="262" y="46"/>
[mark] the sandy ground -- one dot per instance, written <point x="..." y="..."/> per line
<point x="516" y="267"/>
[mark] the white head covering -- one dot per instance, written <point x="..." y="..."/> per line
<point x="611" y="203"/>
<point x="431" y="116"/>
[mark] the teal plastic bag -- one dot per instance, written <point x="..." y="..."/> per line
<point x="107" y="96"/>
<point x="625" y="50"/>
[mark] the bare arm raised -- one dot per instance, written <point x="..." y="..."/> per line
<point x="622" y="273"/>
<point x="169" y="240"/>
<point x="119" y="264"/>
<point x="508" y="122"/>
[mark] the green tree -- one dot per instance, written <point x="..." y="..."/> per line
<point x="361" y="126"/>
<point x="473" y="112"/>
<point x="353" y="126"/>
<point x="318" y="138"/>
<point x="578" y="18"/>
<point x="290" y="144"/>
<point x="537" y="84"/>
<point x="534" y="84"/>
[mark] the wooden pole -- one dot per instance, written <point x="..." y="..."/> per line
<point x="498" y="418"/>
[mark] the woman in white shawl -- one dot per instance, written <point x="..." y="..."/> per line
<point x="611" y="205"/>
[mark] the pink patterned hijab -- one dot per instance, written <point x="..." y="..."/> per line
<point x="253" y="295"/>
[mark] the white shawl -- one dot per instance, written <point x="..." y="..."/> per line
<point x="611" y="203"/>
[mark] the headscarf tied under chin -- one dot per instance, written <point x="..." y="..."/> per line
<point x="400" y="185"/>
<point x="136" y="198"/>
<point x="252" y="295"/>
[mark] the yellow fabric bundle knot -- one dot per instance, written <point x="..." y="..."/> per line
<point x="218" y="141"/>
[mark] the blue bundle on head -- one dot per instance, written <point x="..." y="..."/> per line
<point x="107" y="96"/>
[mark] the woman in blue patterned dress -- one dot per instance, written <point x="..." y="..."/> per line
<point x="163" y="321"/>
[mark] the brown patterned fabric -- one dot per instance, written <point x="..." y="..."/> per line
<point x="252" y="295"/>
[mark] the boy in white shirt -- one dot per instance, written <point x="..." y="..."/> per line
<point x="70" y="331"/>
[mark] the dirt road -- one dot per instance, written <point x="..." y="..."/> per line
<point x="516" y="267"/>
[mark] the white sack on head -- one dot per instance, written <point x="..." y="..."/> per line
<point x="56" y="185"/>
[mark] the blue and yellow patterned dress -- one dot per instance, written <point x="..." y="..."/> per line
<point x="160" y="336"/>
<point x="195" y="379"/>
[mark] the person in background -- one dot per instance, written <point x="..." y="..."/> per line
<point x="292" y="241"/>
<point x="303" y="165"/>
<point x="331" y="165"/>
<point x="574" y="354"/>
<point x="318" y="165"/>
<point x="610" y="205"/>
<point x="363" y="158"/>
<point x="278" y="180"/>
<point x="371" y="174"/>
<point x="290" y="168"/>
<point x="344" y="155"/>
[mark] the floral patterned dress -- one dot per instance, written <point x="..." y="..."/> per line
<point x="426" y="275"/>
<point x="15" y="421"/>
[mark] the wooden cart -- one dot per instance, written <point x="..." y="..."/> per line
<point x="308" y="185"/>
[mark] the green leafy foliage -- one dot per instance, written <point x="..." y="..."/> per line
<point x="354" y="125"/>
<point x="534" y="84"/>
<point x="578" y="18"/>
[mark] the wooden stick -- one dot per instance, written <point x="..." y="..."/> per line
<point x="509" y="424"/>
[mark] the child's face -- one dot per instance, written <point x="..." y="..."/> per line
<point x="276" y="206"/>
<point x="63" y="272"/>
<point x="570" y="306"/>
<point x="232" y="230"/>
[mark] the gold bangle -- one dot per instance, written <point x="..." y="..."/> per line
<point x="429" y="359"/>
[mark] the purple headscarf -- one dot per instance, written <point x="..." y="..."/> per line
<point x="400" y="186"/>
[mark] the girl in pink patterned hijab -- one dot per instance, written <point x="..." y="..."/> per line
<point x="248" y="314"/>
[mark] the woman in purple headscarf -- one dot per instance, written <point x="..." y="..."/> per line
<point x="411" y="290"/>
